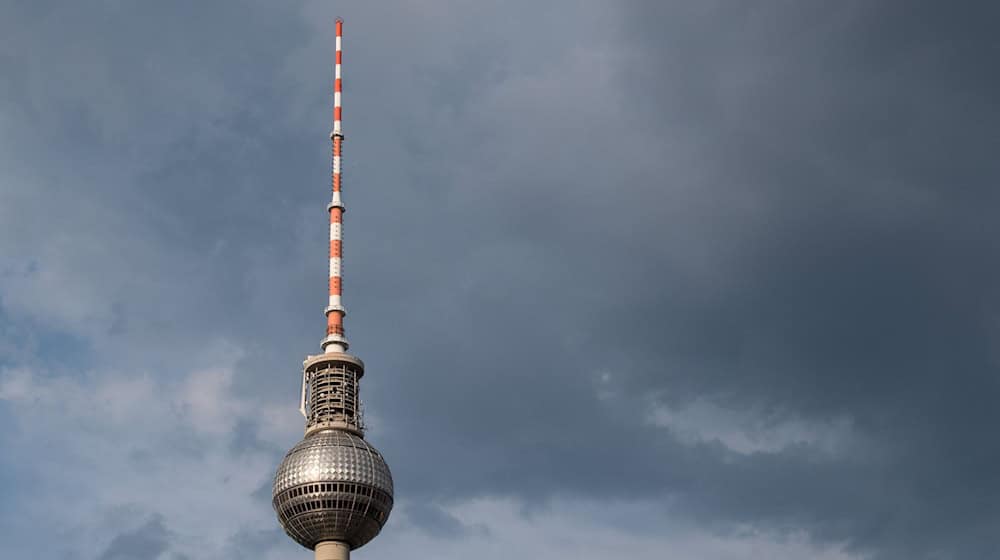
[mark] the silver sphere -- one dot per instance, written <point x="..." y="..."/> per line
<point x="332" y="486"/>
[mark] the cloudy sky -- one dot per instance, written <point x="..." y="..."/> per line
<point x="657" y="280"/>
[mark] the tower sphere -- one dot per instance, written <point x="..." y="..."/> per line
<point x="332" y="486"/>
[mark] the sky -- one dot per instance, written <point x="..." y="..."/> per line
<point x="658" y="280"/>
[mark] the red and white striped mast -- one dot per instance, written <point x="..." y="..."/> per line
<point x="335" y="340"/>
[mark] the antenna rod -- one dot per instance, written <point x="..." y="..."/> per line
<point x="335" y="340"/>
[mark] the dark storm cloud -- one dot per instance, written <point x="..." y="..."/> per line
<point x="870" y="284"/>
<point x="559" y="218"/>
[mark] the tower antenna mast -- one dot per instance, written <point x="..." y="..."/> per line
<point x="335" y="340"/>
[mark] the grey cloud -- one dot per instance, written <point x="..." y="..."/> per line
<point x="438" y="523"/>
<point x="246" y="438"/>
<point x="250" y="543"/>
<point x="148" y="542"/>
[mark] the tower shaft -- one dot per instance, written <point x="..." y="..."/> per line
<point x="333" y="550"/>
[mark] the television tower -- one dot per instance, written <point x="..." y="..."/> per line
<point x="333" y="490"/>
